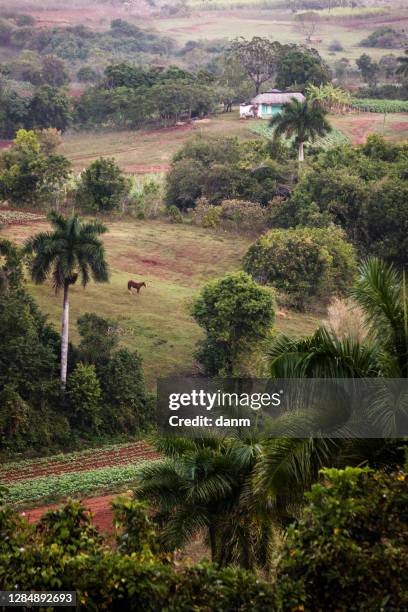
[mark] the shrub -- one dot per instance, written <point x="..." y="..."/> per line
<point x="386" y="38"/>
<point x="386" y="221"/>
<point x="349" y="551"/>
<point x="174" y="214"/>
<point x="128" y="408"/>
<point x="65" y="552"/>
<point x="305" y="263"/>
<point x="236" y="215"/>
<point x="84" y="392"/>
<point x="336" y="46"/>
<point x="346" y="319"/>
<point x="243" y="216"/>
<point x="87" y="74"/>
<point x="102" y="186"/>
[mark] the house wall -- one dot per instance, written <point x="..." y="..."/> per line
<point x="270" y="110"/>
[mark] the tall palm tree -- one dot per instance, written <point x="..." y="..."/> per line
<point x="403" y="65"/>
<point x="72" y="249"/>
<point x="303" y="120"/>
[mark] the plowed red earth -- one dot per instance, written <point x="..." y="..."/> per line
<point x="98" y="506"/>
<point x="98" y="458"/>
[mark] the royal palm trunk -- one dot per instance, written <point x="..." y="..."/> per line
<point x="64" y="335"/>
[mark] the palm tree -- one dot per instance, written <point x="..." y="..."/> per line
<point x="380" y="291"/>
<point x="287" y="466"/>
<point x="303" y="120"/>
<point x="204" y="485"/>
<point x="72" y="249"/>
<point x="403" y="65"/>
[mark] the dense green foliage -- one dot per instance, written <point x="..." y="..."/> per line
<point x="361" y="189"/>
<point x="380" y="293"/>
<point x="304" y="263"/>
<point x="236" y="314"/>
<point x="223" y="169"/>
<point x="29" y="174"/>
<point x="385" y="38"/>
<point x="299" y="66"/>
<point x="349" y="550"/>
<point x="129" y="96"/>
<point x="102" y="186"/>
<point x="73" y="556"/>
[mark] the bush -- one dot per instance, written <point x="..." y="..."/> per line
<point x="349" y="552"/>
<point x="84" y="392"/>
<point x="87" y="74"/>
<point x="305" y="263"/>
<point x="128" y="408"/>
<point x="102" y="186"/>
<point x="236" y="215"/>
<point x="174" y="214"/>
<point x="336" y="46"/>
<point x="72" y="556"/>
<point x="385" y="38"/>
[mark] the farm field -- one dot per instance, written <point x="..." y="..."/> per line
<point x="147" y="151"/>
<point x="80" y="461"/>
<point x="174" y="261"/>
<point x="357" y="126"/>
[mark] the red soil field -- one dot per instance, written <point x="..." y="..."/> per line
<point x="123" y="455"/>
<point x="141" y="169"/>
<point x="98" y="506"/>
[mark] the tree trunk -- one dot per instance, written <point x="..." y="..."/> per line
<point x="64" y="336"/>
<point x="213" y="546"/>
<point x="301" y="152"/>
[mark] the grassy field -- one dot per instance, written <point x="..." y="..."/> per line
<point x="174" y="261"/>
<point x="147" y="151"/>
<point x="277" y="24"/>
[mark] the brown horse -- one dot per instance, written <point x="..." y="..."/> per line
<point x="137" y="286"/>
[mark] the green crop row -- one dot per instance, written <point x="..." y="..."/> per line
<point x="334" y="138"/>
<point x="380" y="106"/>
<point x="71" y="457"/>
<point x="47" y="489"/>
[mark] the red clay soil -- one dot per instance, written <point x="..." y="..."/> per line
<point x="98" y="506"/>
<point x="130" y="453"/>
<point x="141" y="169"/>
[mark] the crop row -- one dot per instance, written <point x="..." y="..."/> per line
<point x="333" y="139"/>
<point x="17" y="216"/>
<point x="380" y="106"/>
<point x="75" y="462"/>
<point x="48" y="489"/>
